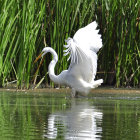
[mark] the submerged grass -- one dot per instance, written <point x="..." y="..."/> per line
<point x="27" y="26"/>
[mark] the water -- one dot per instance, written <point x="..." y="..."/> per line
<point x="46" y="116"/>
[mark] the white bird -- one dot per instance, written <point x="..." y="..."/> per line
<point x="82" y="50"/>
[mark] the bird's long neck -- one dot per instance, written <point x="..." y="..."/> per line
<point x="52" y="64"/>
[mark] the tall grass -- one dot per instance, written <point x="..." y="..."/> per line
<point x="121" y="52"/>
<point x="20" y="22"/>
<point x="27" y="26"/>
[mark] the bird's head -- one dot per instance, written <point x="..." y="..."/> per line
<point x="44" y="51"/>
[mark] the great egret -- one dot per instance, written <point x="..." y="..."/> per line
<point x="82" y="50"/>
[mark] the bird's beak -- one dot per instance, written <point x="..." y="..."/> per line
<point x="38" y="57"/>
<point x="39" y="65"/>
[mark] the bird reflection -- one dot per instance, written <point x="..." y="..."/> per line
<point x="82" y="122"/>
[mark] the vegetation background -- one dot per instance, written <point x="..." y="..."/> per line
<point x="27" y="26"/>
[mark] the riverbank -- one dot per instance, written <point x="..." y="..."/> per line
<point x="104" y="90"/>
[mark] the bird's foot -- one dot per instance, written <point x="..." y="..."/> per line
<point x="73" y="93"/>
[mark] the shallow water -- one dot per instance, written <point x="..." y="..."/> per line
<point x="42" y="116"/>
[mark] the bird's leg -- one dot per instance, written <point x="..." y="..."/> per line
<point x="73" y="92"/>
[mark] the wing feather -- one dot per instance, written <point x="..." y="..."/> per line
<point x="82" y="51"/>
<point x="88" y="37"/>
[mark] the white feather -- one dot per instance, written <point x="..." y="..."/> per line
<point x="82" y="50"/>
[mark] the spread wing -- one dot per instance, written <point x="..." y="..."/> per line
<point x="82" y="51"/>
<point x="88" y="37"/>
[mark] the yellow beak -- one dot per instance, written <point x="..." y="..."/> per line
<point x="38" y="66"/>
<point x="38" y="57"/>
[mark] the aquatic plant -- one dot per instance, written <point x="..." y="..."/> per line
<point x="20" y="23"/>
<point x="27" y="26"/>
<point x="121" y="52"/>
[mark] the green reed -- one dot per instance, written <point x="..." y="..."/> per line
<point x="20" y="22"/>
<point x="121" y="52"/>
<point x="27" y="26"/>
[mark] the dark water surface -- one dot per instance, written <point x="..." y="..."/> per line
<point x="42" y="116"/>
